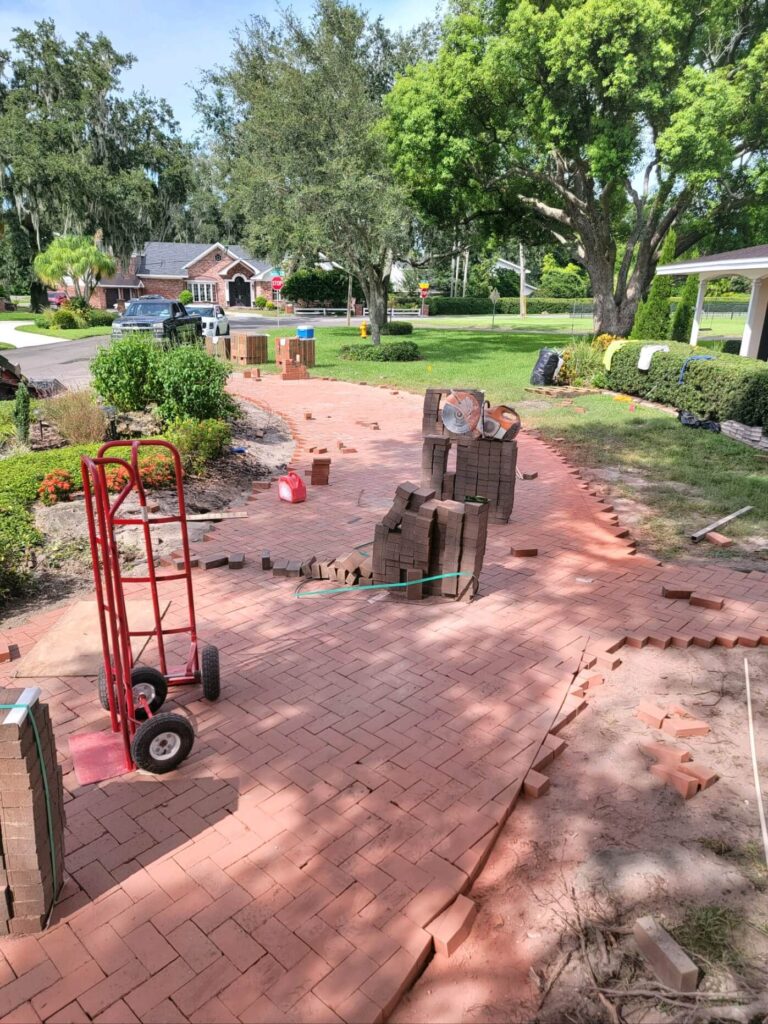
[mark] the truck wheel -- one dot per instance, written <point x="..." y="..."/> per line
<point x="209" y="673"/>
<point x="152" y="685"/>
<point x="162" y="743"/>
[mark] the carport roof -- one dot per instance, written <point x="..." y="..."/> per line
<point x="747" y="261"/>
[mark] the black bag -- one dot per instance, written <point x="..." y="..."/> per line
<point x="689" y="420"/>
<point x="546" y="367"/>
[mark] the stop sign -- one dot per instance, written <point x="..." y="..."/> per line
<point x="424" y="292"/>
<point x="277" y="284"/>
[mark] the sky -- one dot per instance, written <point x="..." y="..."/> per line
<point x="173" y="40"/>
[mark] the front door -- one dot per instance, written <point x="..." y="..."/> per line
<point x="239" y="292"/>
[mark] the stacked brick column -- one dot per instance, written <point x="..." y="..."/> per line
<point x="421" y="537"/>
<point x="288" y="349"/>
<point x="31" y="868"/>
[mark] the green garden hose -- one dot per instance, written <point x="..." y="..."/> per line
<point x="376" y="586"/>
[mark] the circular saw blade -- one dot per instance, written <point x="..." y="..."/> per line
<point x="461" y="412"/>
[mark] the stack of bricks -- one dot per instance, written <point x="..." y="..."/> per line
<point x="422" y="536"/>
<point x="320" y="472"/>
<point x="351" y="570"/>
<point x="485" y="467"/>
<point x="249" y="348"/>
<point x="31" y="870"/>
<point x="295" y="350"/>
<point x="294" y="370"/>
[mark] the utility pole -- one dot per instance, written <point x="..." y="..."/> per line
<point x="349" y="301"/>
<point x="466" y="273"/>
<point x="523" y="296"/>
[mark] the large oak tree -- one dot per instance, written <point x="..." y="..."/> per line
<point x="607" y="122"/>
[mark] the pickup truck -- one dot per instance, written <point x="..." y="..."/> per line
<point x="155" y="315"/>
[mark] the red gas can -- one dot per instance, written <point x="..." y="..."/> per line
<point x="291" y="488"/>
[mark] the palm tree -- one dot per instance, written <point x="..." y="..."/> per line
<point x="78" y="258"/>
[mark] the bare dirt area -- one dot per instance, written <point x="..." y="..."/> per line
<point x="63" y="563"/>
<point x="610" y="843"/>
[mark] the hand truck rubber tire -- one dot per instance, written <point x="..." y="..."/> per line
<point x="162" y="743"/>
<point x="103" y="689"/>
<point x="209" y="673"/>
<point x="150" y="683"/>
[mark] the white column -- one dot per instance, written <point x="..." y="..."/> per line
<point x="698" y="312"/>
<point x="753" y="328"/>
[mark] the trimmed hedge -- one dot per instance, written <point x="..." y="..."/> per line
<point x="394" y="352"/>
<point x="397" y="327"/>
<point x="444" y="305"/>
<point x="724" y="388"/>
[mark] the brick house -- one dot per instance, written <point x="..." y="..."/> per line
<point x="225" y="274"/>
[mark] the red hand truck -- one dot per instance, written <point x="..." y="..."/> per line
<point x="133" y="694"/>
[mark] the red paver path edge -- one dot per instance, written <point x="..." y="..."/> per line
<point x="364" y="756"/>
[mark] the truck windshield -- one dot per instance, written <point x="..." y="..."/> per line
<point x="153" y="309"/>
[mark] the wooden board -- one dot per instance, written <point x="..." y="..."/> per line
<point x="700" y="534"/>
<point x="72" y="646"/>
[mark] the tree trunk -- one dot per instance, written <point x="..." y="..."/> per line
<point x="375" y="288"/>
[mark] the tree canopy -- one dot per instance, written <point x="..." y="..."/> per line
<point x="77" y="258"/>
<point x="603" y="122"/>
<point x="77" y="156"/>
<point x="301" y="109"/>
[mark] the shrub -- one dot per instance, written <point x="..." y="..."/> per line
<point x="269" y="305"/>
<point x="44" y="320"/>
<point x="652" y="317"/>
<point x="65" y="319"/>
<point x="21" y="413"/>
<point x="260" y="302"/>
<point x="77" y="417"/>
<point x="560" y="283"/>
<point x="686" y="307"/>
<point x="395" y="352"/>
<point x="185" y="296"/>
<point x="199" y="441"/>
<point x="724" y="388"/>
<point x="581" y="361"/>
<point x="396" y="327"/>
<point x="126" y="374"/>
<point x="155" y="470"/>
<point x="101" y="317"/>
<point x="443" y="305"/>
<point x="192" y="384"/>
<point x="56" y="486"/>
<point x="602" y="341"/>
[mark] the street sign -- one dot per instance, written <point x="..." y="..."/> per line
<point x="424" y="285"/>
<point x="495" y="296"/>
<point x="277" y="284"/>
<point x="424" y="292"/>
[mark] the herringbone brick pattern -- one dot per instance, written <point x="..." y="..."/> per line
<point x="363" y="757"/>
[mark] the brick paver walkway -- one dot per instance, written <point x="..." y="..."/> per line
<point x="363" y="757"/>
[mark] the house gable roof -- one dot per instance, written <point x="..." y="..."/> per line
<point x="171" y="259"/>
<point x="737" y="261"/>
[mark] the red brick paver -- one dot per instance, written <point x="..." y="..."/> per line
<point x="364" y="755"/>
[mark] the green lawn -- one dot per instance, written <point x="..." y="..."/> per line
<point x="685" y="478"/>
<point x="6" y="315"/>
<point x="73" y="335"/>
<point x="721" y="326"/>
<point x="6" y="345"/>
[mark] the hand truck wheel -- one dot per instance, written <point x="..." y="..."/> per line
<point x="162" y="743"/>
<point x="152" y="685"/>
<point x="103" y="689"/>
<point x="209" y="673"/>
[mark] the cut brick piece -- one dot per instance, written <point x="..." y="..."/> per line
<point x="668" y="961"/>
<point x="705" y="776"/>
<point x="707" y="601"/>
<point x="592" y="681"/>
<point x="676" y="593"/>
<point x="236" y="561"/>
<point x="685" y="785"/>
<point x="524" y="552"/>
<point x="451" y="927"/>
<point x="535" y="784"/>
<point x="266" y="560"/>
<point x="215" y="561"/>
<point x="718" y="539"/>
<point x="665" y="753"/>
<point x="530" y="476"/>
<point x="682" y="727"/>
<point x="651" y="714"/>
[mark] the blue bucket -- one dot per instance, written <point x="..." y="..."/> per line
<point x="305" y="332"/>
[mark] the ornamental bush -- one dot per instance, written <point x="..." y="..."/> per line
<point x="56" y="486"/>
<point x="126" y="374"/>
<point x="66" y="319"/>
<point x="477" y="305"/>
<point x="199" y="441"/>
<point x="317" y="288"/>
<point x="185" y="296"/>
<point x="394" y="352"/>
<point x="723" y="388"/>
<point x="396" y="327"/>
<point x="192" y="385"/>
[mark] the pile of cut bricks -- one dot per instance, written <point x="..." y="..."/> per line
<point x="31" y="845"/>
<point x="674" y="765"/>
<point x="485" y="467"/>
<point x="300" y="351"/>
<point x="350" y="570"/>
<point x="422" y="536"/>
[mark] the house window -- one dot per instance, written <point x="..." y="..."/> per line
<point x="203" y="291"/>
